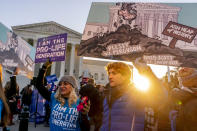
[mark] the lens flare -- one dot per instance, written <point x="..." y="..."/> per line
<point x="142" y="83"/>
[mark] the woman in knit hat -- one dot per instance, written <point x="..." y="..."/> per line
<point x="64" y="115"/>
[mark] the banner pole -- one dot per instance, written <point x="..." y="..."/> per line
<point x="168" y="68"/>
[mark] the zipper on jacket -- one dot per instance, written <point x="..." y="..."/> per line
<point x="109" y="119"/>
<point x="110" y="107"/>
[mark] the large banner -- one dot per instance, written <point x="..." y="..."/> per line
<point x="52" y="47"/>
<point x="160" y="33"/>
<point x="15" y="52"/>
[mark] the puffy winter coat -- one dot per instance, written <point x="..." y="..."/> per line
<point x="123" y="114"/>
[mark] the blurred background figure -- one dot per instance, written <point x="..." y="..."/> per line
<point x="95" y="98"/>
<point x="179" y="112"/>
<point x="12" y="94"/>
<point x="91" y="81"/>
<point x="4" y="108"/>
<point x="26" y="94"/>
<point x="186" y="97"/>
<point x="100" y="88"/>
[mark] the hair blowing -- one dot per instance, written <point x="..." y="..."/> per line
<point x="6" y="110"/>
<point x="71" y="99"/>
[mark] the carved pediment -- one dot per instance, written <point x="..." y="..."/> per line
<point x="47" y="27"/>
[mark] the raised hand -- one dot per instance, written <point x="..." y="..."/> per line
<point x="86" y="108"/>
<point x="47" y="64"/>
<point x="141" y="66"/>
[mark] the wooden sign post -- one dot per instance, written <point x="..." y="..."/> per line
<point x="179" y="32"/>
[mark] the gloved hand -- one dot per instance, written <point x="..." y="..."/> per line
<point x="47" y="64"/>
<point x="86" y="108"/>
<point x="141" y="66"/>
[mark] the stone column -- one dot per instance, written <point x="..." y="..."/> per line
<point x="150" y="25"/>
<point x="155" y="24"/>
<point x="35" y="43"/>
<point x="53" y="68"/>
<point x="165" y="22"/>
<point x="160" y="21"/>
<point x="80" y="65"/>
<point x="72" y="59"/>
<point x="40" y="65"/>
<point x="146" y="25"/>
<point x="62" y="68"/>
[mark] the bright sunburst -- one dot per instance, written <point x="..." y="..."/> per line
<point x="141" y="82"/>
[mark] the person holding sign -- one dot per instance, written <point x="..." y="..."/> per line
<point x="64" y="114"/>
<point x="124" y="105"/>
<point x="4" y="108"/>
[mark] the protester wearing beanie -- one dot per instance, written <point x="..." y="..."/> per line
<point x="64" y="115"/>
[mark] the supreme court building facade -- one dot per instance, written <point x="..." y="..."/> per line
<point x="73" y="65"/>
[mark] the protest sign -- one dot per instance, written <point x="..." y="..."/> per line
<point x="159" y="33"/>
<point x="179" y="32"/>
<point x="51" y="78"/>
<point x="53" y="47"/>
<point x="15" y="52"/>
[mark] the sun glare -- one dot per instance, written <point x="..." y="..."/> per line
<point x="141" y="82"/>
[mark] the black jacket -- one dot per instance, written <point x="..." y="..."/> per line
<point x="95" y="99"/>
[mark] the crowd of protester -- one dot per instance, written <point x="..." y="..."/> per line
<point x="116" y="106"/>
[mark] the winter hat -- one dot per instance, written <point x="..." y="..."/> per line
<point x="70" y="79"/>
